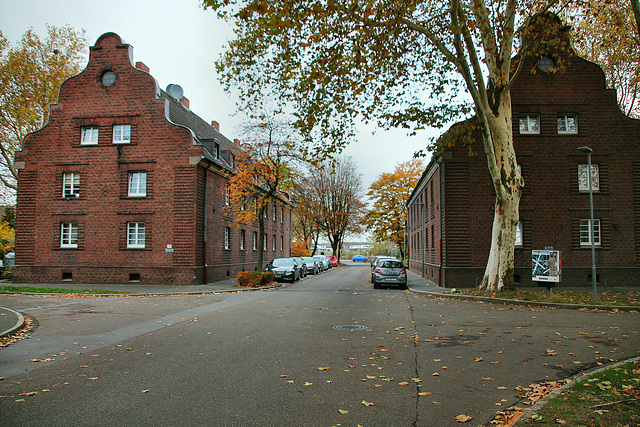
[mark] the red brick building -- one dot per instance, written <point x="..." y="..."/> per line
<point x="554" y="112"/>
<point x="126" y="184"/>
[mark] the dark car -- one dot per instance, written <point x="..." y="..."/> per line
<point x="389" y="272"/>
<point x="313" y="266"/>
<point x="284" y="269"/>
<point x="304" y="269"/>
<point x="323" y="261"/>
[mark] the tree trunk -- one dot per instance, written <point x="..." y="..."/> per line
<point x="508" y="184"/>
<point x="260" y="266"/>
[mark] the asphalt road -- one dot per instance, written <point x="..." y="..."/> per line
<point x="276" y="358"/>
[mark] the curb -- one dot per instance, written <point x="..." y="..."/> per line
<point x="527" y="303"/>
<point x="19" y="324"/>
<point x="578" y="377"/>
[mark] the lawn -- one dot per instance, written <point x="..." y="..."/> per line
<point x="607" y="398"/>
<point x="20" y="289"/>
<point x="616" y="298"/>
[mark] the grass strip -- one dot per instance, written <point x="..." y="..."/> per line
<point x="615" y="298"/>
<point x="607" y="398"/>
<point x="20" y="289"/>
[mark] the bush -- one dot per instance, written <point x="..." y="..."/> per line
<point x="255" y="279"/>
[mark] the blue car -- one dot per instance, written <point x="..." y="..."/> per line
<point x="359" y="258"/>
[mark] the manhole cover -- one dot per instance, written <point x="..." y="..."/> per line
<point x="350" y="327"/>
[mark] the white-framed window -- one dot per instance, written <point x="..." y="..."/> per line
<point x="89" y="135"/>
<point x="275" y="213"/>
<point x="530" y="124"/>
<point x="71" y="184"/>
<point x="138" y="184"/>
<point x="136" y="235"/>
<point x="266" y="238"/>
<point x="227" y="238"/>
<point x="121" y="134"/>
<point x="227" y="196"/>
<point x="568" y="123"/>
<point x="519" y="234"/>
<point x="68" y="235"/>
<point x="583" y="182"/>
<point x="281" y="243"/>
<point x="281" y="215"/>
<point x="242" y="237"/>
<point x="243" y="204"/>
<point x="255" y="240"/>
<point x="273" y="244"/>
<point x="585" y="232"/>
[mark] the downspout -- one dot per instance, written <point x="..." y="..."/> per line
<point x="204" y="228"/>
<point x="440" y="218"/>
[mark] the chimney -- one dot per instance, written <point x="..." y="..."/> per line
<point x="184" y="101"/>
<point x="141" y="66"/>
<point x="215" y="125"/>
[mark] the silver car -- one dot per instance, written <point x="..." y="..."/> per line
<point x="313" y="265"/>
<point x="389" y="272"/>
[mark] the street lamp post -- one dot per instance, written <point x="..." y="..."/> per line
<point x="591" y="224"/>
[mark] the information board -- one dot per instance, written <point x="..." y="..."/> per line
<point x="546" y="266"/>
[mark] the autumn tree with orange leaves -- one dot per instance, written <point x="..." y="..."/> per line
<point x="262" y="171"/>
<point x="31" y="73"/>
<point x="389" y="193"/>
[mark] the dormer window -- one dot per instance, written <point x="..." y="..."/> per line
<point x="216" y="148"/>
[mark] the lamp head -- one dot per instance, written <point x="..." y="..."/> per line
<point x="585" y="149"/>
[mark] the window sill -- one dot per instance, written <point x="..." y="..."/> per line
<point x="567" y="133"/>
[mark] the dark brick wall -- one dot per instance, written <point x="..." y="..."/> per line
<point x="551" y="206"/>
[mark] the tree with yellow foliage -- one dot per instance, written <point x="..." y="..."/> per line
<point x="31" y="73"/>
<point x="389" y="193"/>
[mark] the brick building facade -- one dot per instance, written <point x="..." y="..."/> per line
<point x="555" y="111"/>
<point x="126" y="184"/>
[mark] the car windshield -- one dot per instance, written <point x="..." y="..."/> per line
<point x="391" y="264"/>
<point x="282" y="262"/>
<point x="308" y="259"/>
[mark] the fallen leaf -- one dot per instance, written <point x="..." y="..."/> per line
<point x="435" y="374"/>
<point x="365" y="403"/>
<point x="425" y="393"/>
<point x="31" y="393"/>
<point x="307" y="384"/>
<point x="343" y="411"/>
<point x="403" y="383"/>
<point x="416" y="380"/>
<point x="488" y="379"/>
<point x="463" y="418"/>
<point x="145" y="391"/>
<point x="324" y="368"/>
<point x="478" y="359"/>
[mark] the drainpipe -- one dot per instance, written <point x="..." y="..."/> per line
<point x="204" y="229"/>
<point x="440" y="217"/>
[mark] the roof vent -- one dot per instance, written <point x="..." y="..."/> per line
<point x="175" y="91"/>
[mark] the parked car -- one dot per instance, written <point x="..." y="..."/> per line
<point x="304" y="270"/>
<point x="324" y="261"/>
<point x="313" y="266"/>
<point x="284" y="269"/>
<point x="359" y="258"/>
<point x="390" y="272"/>
<point x="377" y="261"/>
<point x="334" y="260"/>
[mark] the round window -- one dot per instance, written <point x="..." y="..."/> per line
<point x="545" y="63"/>
<point x="108" y="78"/>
